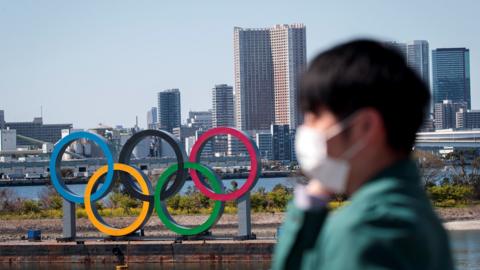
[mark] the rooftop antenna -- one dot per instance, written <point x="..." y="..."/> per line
<point x="41" y="111"/>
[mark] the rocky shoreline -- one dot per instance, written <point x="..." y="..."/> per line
<point x="263" y="224"/>
<point x="460" y="218"/>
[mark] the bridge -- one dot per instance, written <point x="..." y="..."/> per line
<point x="83" y="167"/>
<point x="448" y="138"/>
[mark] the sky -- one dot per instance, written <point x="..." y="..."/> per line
<point x="90" y="62"/>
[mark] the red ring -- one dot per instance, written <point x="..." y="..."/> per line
<point x="252" y="177"/>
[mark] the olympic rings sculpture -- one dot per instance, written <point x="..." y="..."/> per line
<point x="137" y="184"/>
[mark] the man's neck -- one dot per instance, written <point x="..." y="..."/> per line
<point x="369" y="169"/>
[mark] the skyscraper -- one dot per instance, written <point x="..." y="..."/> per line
<point x="416" y="53"/>
<point x="254" y="108"/>
<point x="152" y="118"/>
<point x="288" y="44"/>
<point x="451" y="75"/>
<point x="418" y="59"/>
<point x="268" y="63"/>
<point x="222" y="106"/>
<point x="169" y="114"/>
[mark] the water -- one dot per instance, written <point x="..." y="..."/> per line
<point x="466" y="249"/>
<point x="33" y="192"/>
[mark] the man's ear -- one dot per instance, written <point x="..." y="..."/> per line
<point x="371" y="125"/>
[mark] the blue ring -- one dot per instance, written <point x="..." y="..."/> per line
<point x="61" y="188"/>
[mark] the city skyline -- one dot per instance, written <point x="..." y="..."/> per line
<point x="122" y="62"/>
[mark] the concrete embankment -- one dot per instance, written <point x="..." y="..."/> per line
<point x="95" y="252"/>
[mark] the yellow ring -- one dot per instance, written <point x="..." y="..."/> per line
<point x="88" y="204"/>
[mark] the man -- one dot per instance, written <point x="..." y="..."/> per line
<point x="363" y="107"/>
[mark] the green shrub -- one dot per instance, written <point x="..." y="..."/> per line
<point x="31" y="206"/>
<point x="446" y="203"/>
<point x="448" y="195"/>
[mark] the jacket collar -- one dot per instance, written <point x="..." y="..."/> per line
<point x="404" y="171"/>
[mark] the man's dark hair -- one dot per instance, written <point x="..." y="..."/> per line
<point x="366" y="74"/>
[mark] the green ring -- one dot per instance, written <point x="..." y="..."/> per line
<point x="161" y="208"/>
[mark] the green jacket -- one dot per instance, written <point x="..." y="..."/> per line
<point x="388" y="224"/>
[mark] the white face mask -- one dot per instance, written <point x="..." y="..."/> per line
<point x="312" y="156"/>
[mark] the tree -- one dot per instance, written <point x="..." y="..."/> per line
<point x="50" y="199"/>
<point x="9" y="201"/>
<point x="459" y="169"/>
<point x="430" y="166"/>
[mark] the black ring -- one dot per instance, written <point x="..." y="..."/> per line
<point x="127" y="150"/>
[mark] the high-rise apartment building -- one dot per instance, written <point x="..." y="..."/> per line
<point x="268" y="64"/>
